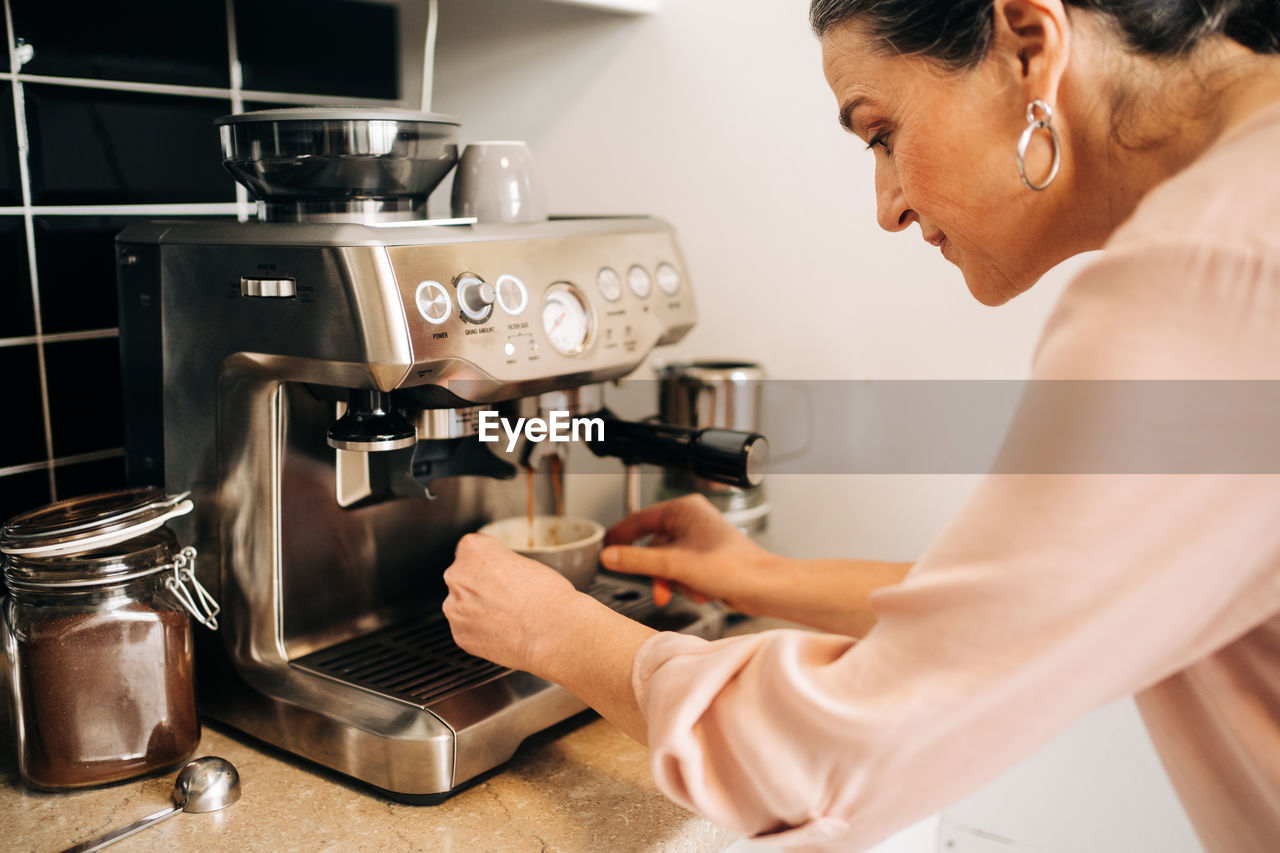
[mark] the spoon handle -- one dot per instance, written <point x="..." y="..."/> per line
<point x="123" y="832"/>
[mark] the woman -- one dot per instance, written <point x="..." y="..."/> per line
<point x="1015" y="133"/>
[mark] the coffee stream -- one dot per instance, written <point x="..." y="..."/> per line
<point x="529" y="502"/>
<point x="556" y="464"/>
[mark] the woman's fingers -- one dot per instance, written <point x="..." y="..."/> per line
<point x="674" y="518"/>
<point x="634" y="560"/>
<point x="651" y="519"/>
<point x="652" y="562"/>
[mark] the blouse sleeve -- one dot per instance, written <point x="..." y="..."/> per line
<point x="1048" y="596"/>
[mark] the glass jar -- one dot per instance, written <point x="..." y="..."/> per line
<point x="99" y="638"/>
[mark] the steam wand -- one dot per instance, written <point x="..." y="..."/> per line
<point x="729" y="456"/>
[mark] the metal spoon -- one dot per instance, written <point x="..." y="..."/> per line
<point x="206" y="784"/>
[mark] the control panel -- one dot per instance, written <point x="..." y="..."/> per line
<point x="517" y="310"/>
<point x="590" y="304"/>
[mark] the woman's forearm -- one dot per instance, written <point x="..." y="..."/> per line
<point x="588" y="649"/>
<point x="831" y="595"/>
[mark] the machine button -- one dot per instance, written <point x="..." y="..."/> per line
<point x="512" y="294"/>
<point x="639" y="281"/>
<point x="510" y="348"/>
<point x="610" y="284"/>
<point x="277" y="288"/>
<point x="475" y="297"/>
<point x="433" y="302"/>
<point x="668" y="279"/>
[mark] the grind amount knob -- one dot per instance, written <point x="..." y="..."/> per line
<point x="476" y="298"/>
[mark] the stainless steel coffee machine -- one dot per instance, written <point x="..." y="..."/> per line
<point x="316" y="377"/>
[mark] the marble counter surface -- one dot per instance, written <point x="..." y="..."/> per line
<point x="582" y="786"/>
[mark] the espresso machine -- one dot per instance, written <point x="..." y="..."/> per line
<point x="315" y="379"/>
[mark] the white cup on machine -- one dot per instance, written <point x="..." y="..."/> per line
<point x="498" y="182"/>
<point x="568" y="544"/>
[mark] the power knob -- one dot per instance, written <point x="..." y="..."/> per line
<point x="475" y="297"/>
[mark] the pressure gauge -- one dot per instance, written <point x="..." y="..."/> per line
<point x="566" y="318"/>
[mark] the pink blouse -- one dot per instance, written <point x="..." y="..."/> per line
<point x="1049" y="595"/>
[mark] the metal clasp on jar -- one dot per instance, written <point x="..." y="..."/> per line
<point x="202" y="605"/>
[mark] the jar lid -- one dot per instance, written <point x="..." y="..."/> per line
<point x="92" y="521"/>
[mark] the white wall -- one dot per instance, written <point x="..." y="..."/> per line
<point x="714" y="115"/>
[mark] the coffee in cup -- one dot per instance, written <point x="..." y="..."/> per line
<point x="568" y="544"/>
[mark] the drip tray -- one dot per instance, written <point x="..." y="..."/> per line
<point x="417" y="661"/>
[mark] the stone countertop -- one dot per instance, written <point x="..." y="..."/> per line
<point x="580" y="787"/>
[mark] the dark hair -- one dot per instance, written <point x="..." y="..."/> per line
<point x="958" y="32"/>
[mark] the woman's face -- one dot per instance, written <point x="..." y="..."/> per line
<point x="945" y="145"/>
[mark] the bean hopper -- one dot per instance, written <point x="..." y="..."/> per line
<point x="315" y="379"/>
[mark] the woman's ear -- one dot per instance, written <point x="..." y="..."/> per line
<point x="1033" y="38"/>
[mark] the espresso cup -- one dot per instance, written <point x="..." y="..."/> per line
<point x="566" y="543"/>
<point x="498" y="182"/>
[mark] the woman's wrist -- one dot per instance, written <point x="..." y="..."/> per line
<point x="571" y="628"/>
<point x="589" y="649"/>
<point x="765" y="582"/>
<point x="831" y="595"/>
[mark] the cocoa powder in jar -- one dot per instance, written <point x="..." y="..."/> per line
<point x="105" y="695"/>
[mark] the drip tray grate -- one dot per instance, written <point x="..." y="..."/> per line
<point x="418" y="662"/>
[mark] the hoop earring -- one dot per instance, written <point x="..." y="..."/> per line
<point x="1044" y="122"/>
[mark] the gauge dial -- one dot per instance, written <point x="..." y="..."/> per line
<point x="668" y="279"/>
<point x="512" y="294"/>
<point x="433" y="302"/>
<point x="566" y="318"/>
<point x="639" y="281"/>
<point x="610" y="283"/>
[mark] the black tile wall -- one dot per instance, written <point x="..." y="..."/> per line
<point x="91" y="141"/>
<point x="85" y="478"/>
<point x="76" y="259"/>
<point x="84" y="395"/>
<point x="23" y="414"/>
<point x="329" y="47"/>
<point x="21" y="492"/>
<point x="94" y="146"/>
<point x="10" y="182"/>
<point x="17" y="319"/>
<point x="154" y="41"/>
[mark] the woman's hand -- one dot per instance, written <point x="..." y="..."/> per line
<point x="520" y="614"/>
<point x="692" y="546"/>
<point x="500" y="605"/>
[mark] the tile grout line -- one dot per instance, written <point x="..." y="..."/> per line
<point x="211" y="92"/>
<point x="195" y="208"/>
<point x="62" y="337"/>
<point x="24" y="176"/>
<point x="76" y="459"/>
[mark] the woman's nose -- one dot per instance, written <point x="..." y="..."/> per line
<point x="892" y="210"/>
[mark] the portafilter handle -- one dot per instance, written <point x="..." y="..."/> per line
<point x="729" y="456"/>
